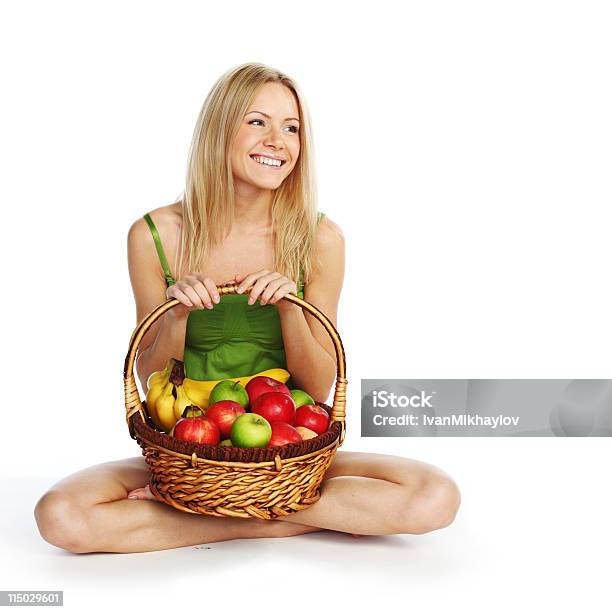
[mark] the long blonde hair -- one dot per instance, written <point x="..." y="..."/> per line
<point x="208" y="200"/>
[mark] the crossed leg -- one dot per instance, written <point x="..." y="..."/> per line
<point x="362" y="493"/>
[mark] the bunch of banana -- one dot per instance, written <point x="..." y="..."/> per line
<point x="169" y="392"/>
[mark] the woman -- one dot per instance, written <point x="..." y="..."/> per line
<point x="248" y="214"/>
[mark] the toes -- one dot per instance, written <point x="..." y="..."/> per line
<point x="142" y="493"/>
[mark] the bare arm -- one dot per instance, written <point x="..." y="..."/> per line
<point x="166" y="337"/>
<point x="310" y="353"/>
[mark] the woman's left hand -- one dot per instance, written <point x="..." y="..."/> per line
<point x="269" y="287"/>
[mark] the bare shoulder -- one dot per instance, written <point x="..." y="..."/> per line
<point x="167" y="220"/>
<point x="329" y="230"/>
<point x="329" y="242"/>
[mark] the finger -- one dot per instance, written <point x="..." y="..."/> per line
<point x="260" y="284"/>
<point x="195" y="283"/>
<point x="175" y="293"/>
<point x="282" y="291"/>
<point x="211" y="287"/>
<point x="192" y="284"/>
<point x="249" y="279"/>
<point x="271" y="289"/>
<point x="194" y="296"/>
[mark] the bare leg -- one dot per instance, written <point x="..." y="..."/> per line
<point x="89" y="512"/>
<point x="376" y="494"/>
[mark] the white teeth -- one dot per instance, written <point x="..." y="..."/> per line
<point x="266" y="161"/>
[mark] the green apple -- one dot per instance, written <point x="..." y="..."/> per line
<point x="226" y="443"/>
<point x="229" y="390"/>
<point x="250" y="430"/>
<point x="301" y="398"/>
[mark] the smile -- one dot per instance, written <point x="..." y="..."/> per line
<point x="266" y="161"/>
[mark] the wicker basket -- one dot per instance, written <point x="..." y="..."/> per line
<point x="222" y="481"/>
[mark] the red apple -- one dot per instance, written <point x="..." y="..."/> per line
<point x="283" y="433"/>
<point x="224" y="413"/>
<point x="312" y="417"/>
<point x="306" y="433"/>
<point x="264" y="384"/>
<point x="275" y="406"/>
<point x="197" y="429"/>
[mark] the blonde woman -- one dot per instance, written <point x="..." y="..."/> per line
<point x="248" y="214"/>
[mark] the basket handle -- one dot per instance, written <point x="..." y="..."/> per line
<point x="134" y="404"/>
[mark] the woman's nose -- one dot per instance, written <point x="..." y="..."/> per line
<point x="275" y="138"/>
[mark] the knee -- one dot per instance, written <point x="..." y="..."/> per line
<point x="433" y="506"/>
<point x="62" y="522"/>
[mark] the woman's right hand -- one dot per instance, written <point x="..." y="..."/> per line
<point x="194" y="292"/>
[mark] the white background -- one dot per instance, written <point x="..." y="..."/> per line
<point x="464" y="149"/>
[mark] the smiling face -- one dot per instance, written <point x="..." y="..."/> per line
<point x="267" y="145"/>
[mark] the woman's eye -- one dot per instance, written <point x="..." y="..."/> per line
<point x="294" y="129"/>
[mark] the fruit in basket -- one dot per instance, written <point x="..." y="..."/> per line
<point x="275" y="406"/>
<point x="283" y="433"/>
<point x="301" y="398"/>
<point x="306" y="433"/>
<point x="199" y="429"/>
<point x="181" y="402"/>
<point x="199" y="390"/>
<point x="312" y="417"/>
<point x="166" y="395"/>
<point x="224" y="413"/>
<point x="258" y="385"/>
<point x="250" y="430"/>
<point x="164" y="408"/>
<point x="190" y="411"/>
<point x="229" y="390"/>
<point x="156" y="385"/>
<point x="227" y="442"/>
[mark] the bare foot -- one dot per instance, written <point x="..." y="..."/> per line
<point x="142" y="493"/>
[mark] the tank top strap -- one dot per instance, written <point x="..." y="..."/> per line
<point x="300" y="287"/>
<point x="160" y="250"/>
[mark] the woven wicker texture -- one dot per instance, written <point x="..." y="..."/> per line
<point x="226" y="481"/>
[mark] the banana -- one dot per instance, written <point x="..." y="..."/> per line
<point x="156" y="384"/>
<point x="165" y="408"/>
<point x="181" y="402"/>
<point x="157" y="378"/>
<point x="199" y="391"/>
<point x="152" y="396"/>
<point x="276" y="373"/>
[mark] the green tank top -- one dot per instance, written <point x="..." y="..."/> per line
<point x="233" y="339"/>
